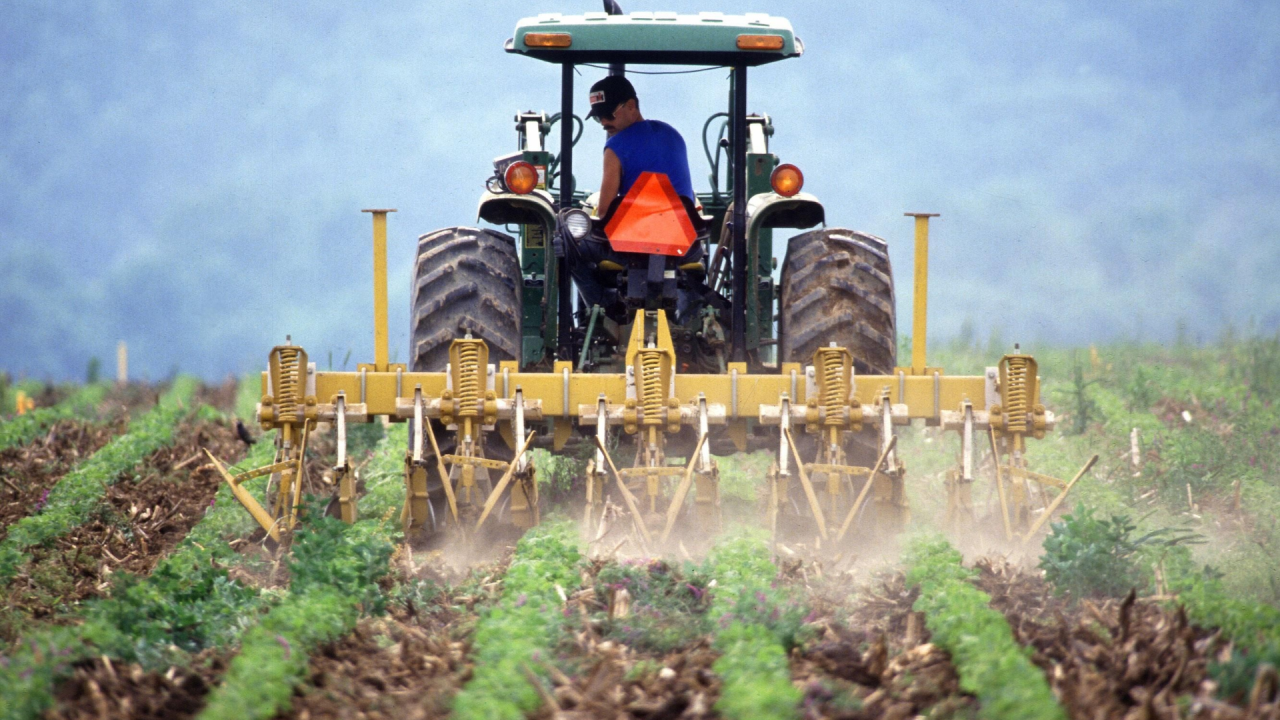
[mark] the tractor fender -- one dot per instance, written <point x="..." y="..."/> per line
<point x="771" y="210"/>
<point x="536" y="208"/>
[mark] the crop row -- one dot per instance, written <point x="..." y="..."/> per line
<point x="187" y="603"/>
<point x="76" y="494"/>
<point x="334" y="570"/>
<point x="755" y="624"/>
<point x="22" y="429"/>
<point x="522" y="627"/>
<point x="988" y="659"/>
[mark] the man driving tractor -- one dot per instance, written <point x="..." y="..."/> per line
<point x="635" y="145"/>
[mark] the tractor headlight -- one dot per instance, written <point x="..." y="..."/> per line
<point x="577" y="222"/>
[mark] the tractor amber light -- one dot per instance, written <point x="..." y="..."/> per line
<point x="786" y="180"/>
<point x="549" y="40"/>
<point x="521" y="178"/>
<point x="760" y="42"/>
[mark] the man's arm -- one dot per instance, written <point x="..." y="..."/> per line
<point x="610" y="181"/>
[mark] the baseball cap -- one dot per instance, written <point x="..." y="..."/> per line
<point x="608" y="94"/>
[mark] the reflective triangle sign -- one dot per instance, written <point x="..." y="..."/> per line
<point x="651" y="219"/>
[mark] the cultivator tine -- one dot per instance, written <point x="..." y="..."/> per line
<point x="298" y="475"/>
<point x="502" y="483"/>
<point x="595" y="468"/>
<point x="342" y="468"/>
<point x="677" y="500"/>
<point x="1000" y="489"/>
<point x="630" y="499"/>
<point x="814" y="505"/>
<point x="445" y="479"/>
<point x="866" y="488"/>
<point x="246" y="499"/>
<point x="1057" y="501"/>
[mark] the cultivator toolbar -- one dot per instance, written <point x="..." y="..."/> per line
<point x="656" y="415"/>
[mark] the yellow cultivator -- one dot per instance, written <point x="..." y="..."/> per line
<point x="811" y="412"/>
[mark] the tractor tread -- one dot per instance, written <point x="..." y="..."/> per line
<point x="466" y="280"/>
<point x="837" y="286"/>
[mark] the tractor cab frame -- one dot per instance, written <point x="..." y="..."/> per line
<point x="740" y="218"/>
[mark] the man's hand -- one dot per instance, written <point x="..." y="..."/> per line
<point x="610" y="181"/>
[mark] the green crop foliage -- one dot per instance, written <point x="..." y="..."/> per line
<point x="523" y="627"/>
<point x="187" y="603"/>
<point x="22" y="429"/>
<point x="668" y="604"/>
<point x="754" y="625"/>
<point x="1088" y="556"/>
<point x="79" y="491"/>
<point x="989" y="661"/>
<point x="334" y="570"/>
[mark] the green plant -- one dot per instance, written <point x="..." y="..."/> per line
<point x="990" y="663"/>
<point x="520" y="630"/>
<point x="754" y="623"/>
<point x="1088" y="556"/>
<point x="1079" y="400"/>
<point x="334" y="570"/>
<point x="668" y="605"/>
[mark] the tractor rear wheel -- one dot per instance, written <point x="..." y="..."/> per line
<point x="837" y="286"/>
<point x="466" y="280"/>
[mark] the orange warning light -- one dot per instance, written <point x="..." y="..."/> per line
<point x="651" y="219"/>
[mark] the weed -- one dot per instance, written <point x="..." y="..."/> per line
<point x="1088" y="556"/>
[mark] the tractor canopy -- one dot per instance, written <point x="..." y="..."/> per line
<point x="656" y="38"/>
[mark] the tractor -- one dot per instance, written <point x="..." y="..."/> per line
<point x="677" y="347"/>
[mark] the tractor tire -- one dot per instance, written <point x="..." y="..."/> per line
<point x="837" y="286"/>
<point x="465" y="280"/>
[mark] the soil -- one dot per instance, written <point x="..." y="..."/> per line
<point x="130" y="399"/>
<point x="1114" y="658"/>
<point x="872" y="658"/>
<point x="27" y="472"/>
<point x="221" y="396"/>
<point x="100" y="689"/>
<point x="405" y="666"/>
<point x="145" y="515"/>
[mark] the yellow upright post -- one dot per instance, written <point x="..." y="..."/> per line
<point x="380" y="339"/>
<point x="920" y="309"/>
<point x="122" y="363"/>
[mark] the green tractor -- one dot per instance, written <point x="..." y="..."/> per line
<point x="722" y="307"/>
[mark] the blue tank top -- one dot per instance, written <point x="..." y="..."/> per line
<point x="652" y="146"/>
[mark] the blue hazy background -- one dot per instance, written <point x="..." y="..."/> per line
<point x="188" y="177"/>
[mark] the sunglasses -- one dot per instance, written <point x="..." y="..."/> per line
<point x="601" y="117"/>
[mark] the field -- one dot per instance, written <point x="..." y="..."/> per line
<point x="136" y="587"/>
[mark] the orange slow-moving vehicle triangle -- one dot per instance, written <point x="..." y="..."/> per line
<point x="651" y="219"/>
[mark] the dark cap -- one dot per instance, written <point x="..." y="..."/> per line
<point x="608" y="94"/>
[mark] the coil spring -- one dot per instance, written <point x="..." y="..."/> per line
<point x="651" y="395"/>
<point x="467" y="391"/>
<point x="287" y="393"/>
<point x="1017" y="392"/>
<point x="834" y="394"/>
